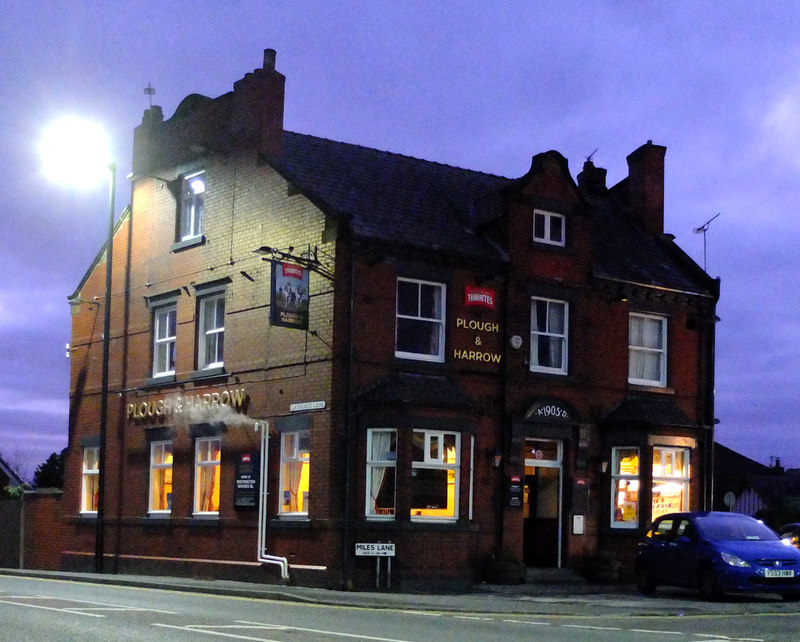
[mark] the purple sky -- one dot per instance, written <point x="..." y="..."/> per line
<point x="481" y="85"/>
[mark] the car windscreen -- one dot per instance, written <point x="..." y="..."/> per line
<point x="730" y="528"/>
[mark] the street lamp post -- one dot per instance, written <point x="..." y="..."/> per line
<point x="75" y="152"/>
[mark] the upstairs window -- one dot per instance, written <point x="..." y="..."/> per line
<point x="211" y="331"/>
<point x="420" y="320"/>
<point x="193" y="189"/>
<point x="549" y="325"/>
<point x="647" y="347"/>
<point x="165" y="327"/>
<point x="548" y="228"/>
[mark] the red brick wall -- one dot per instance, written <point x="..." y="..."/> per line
<point x="45" y="530"/>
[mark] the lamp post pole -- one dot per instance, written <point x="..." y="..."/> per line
<point x="101" y="456"/>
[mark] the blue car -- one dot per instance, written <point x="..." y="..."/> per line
<point x="716" y="553"/>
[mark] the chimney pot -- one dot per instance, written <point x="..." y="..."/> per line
<point x="269" y="59"/>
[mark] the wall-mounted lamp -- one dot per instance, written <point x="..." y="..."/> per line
<point x="604" y="466"/>
<point x="497" y="458"/>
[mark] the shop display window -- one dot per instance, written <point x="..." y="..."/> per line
<point x="381" y="472"/>
<point x="670" y="480"/>
<point x="91" y="480"/>
<point x="435" y="474"/>
<point x="295" y="460"/>
<point x="160" y="477"/>
<point x="207" y="475"/>
<point x="625" y="488"/>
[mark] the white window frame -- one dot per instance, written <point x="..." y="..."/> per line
<point x="632" y="479"/>
<point x="292" y="454"/>
<point x="212" y="334"/>
<point x="640" y="350"/>
<point x="164" y="340"/>
<point x="430" y="462"/>
<point x="90" y="480"/>
<point x="438" y="323"/>
<point x="381" y="469"/>
<point x="160" y="452"/>
<point x="547" y="234"/>
<point x="204" y="448"/>
<point x="193" y="188"/>
<point x="550" y="335"/>
<point x="669" y="475"/>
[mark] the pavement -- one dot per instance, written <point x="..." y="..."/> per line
<point x="546" y="592"/>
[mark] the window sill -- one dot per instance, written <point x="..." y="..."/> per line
<point x="208" y="373"/>
<point x="187" y="243"/>
<point x="160" y="380"/>
<point x="204" y="520"/>
<point x="301" y="521"/>
<point x="661" y="390"/>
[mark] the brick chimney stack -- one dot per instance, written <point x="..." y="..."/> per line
<point x="592" y="179"/>
<point x="258" y="103"/>
<point x="645" y="185"/>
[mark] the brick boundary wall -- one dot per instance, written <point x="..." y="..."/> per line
<point x="44" y="529"/>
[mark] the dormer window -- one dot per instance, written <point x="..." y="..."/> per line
<point x="548" y="228"/>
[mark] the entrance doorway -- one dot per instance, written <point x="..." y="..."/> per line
<point x="541" y="525"/>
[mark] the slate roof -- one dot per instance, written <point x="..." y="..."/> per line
<point x="390" y="197"/>
<point x="421" y="204"/>
<point x="624" y="252"/>
<point x="655" y="412"/>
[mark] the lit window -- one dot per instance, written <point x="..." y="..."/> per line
<point x="435" y="475"/>
<point x="548" y="228"/>
<point x="381" y="468"/>
<point x="670" y="480"/>
<point x="206" y="479"/>
<point x="193" y="188"/>
<point x="211" y="331"/>
<point x="647" y="343"/>
<point x="160" y="477"/>
<point x="295" y="459"/>
<point x="164" y="333"/>
<point x="625" y="488"/>
<point x="420" y="320"/>
<point x="549" y="325"/>
<point x="91" y="480"/>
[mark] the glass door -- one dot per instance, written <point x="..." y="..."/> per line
<point x="542" y="503"/>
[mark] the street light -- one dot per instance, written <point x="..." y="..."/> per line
<point x="75" y="152"/>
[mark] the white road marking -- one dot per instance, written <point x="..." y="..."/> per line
<point x="334" y="633"/>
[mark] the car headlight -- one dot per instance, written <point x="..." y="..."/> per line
<point x="733" y="560"/>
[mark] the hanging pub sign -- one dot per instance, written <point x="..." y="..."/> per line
<point x="245" y="490"/>
<point x="289" y="296"/>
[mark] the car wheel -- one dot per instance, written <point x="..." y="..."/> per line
<point x="707" y="584"/>
<point x="791" y="596"/>
<point x="644" y="580"/>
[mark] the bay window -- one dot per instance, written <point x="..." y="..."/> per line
<point x="625" y="487"/>
<point x="435" y="474"/>
<point x="381" y="469"/>
<point x="670" y="480"/>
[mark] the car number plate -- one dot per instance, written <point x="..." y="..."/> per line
<point x="772" y="572"/>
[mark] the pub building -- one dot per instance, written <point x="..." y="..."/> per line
<point x="322" y="353"/>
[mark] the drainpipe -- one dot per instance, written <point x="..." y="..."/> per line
<point x="263" y="556"/>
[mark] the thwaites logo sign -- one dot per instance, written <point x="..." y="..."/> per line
<point x="477" y="336"/>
